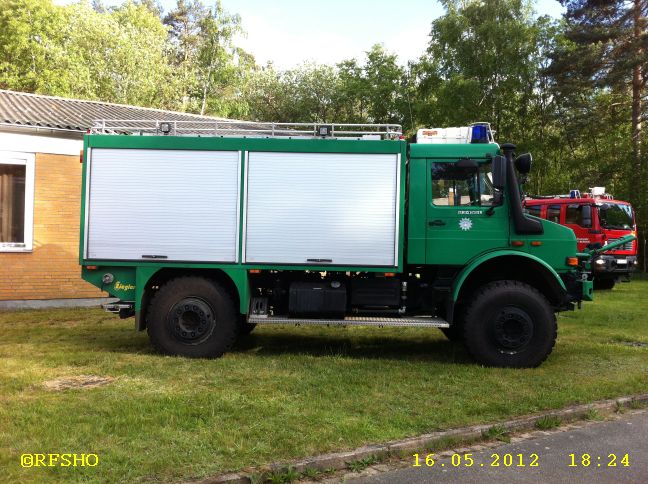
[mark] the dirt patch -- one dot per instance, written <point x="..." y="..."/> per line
<point x="80" y="381"/>
<point x="636" y="344"/>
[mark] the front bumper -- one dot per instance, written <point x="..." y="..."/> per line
<point x="580" y="287"/>
<point x="124" y="309"/>
<point x="614" y="264"/>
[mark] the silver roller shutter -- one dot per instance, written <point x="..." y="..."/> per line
<point x="180" y="204"/>
<point x="322" y="208"/>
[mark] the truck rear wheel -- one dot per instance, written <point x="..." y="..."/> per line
<point x="193" y="317"/>
<point x="509" y="324"/>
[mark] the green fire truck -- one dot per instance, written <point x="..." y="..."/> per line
<point x="204" y="230"/>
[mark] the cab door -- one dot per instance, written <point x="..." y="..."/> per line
<point x="465" y="215"/>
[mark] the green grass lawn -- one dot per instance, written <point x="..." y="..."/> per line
<point x="283" y="392"/>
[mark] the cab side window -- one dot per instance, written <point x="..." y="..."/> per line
<point x="553" y="213"/>
<point x="534" y="210"/>
<point x="460" y="187"/>
<point x="579" y="215"/>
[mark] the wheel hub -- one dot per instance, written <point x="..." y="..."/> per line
<point x="191" y="320"/>
<point x="513" y="329"/>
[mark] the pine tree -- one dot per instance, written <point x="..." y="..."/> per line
<point x="607" y="49"/>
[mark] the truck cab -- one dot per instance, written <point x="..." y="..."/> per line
<point x="597" y="220"/>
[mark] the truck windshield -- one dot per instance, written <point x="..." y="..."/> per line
<point x="462" y="186"/>
<point x="616" y="216"/>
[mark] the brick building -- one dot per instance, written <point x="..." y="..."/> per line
<point x="41" y="138"/>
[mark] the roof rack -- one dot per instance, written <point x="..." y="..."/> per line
<point x="567" y="196"/>
<point x="224" y="128"/>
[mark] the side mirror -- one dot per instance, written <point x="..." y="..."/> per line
<point x="586" y="218"/>
<point x="499" y="172"/>
<point x="523" y="163"/>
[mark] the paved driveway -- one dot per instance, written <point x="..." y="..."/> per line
<point x="606" y="443"/>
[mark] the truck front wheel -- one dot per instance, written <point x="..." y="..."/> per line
<point x="509" y="324"/>
<point x="193" y="317"/>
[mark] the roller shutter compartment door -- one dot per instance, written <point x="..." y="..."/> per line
<point x="321" y="209"/>
<point x="175" y="205"/>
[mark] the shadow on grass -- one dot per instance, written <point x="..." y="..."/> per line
<point x="409" y="347"/>
<point x="364" y="347"/>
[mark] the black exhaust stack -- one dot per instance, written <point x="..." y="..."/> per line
<point x="523" y="225"/>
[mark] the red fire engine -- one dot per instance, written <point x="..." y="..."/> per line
<point x="597" y="219"/>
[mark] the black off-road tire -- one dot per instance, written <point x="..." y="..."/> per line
<point x="605" y="283"/>
<point x="192" y="317"/>
<point x="510" y="324"/>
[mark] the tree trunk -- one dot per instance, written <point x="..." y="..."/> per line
<point x="205" y="91"/>
<point x="204" y="100"/>
<point x="637" y="85"/>
<point x="637" y="88"/>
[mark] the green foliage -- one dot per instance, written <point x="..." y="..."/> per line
<point x="373" y="92"/>
<point x="497" y="432"/>
<point x="74" y="51"/>
<point x="548" y="422"/>
<point x="304" y="94"/>
<point x="125" y="54"/>
<point x="311" y="473"/>
<point x="378" y="90"/>
<point x="636" y="404"/>
<point x="361" y="464"/>
<point x="593" y="414"/>
<point x="280" y="477"/>
<point x="31" y="38"/>
<point x="480" y="65"/>
<point x="209" y="70"/>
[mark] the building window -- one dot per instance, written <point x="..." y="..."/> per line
<point x="16" y="201"/>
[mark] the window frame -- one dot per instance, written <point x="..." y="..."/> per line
<point x="28" y="161"/>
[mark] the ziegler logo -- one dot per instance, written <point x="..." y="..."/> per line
<point x="123" y="287"/>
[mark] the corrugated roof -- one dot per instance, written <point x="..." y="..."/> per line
<point x="78" y="116"/>
<point x="35" y="110"/>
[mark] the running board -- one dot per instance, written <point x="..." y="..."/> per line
<point x="422" y="322"/>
